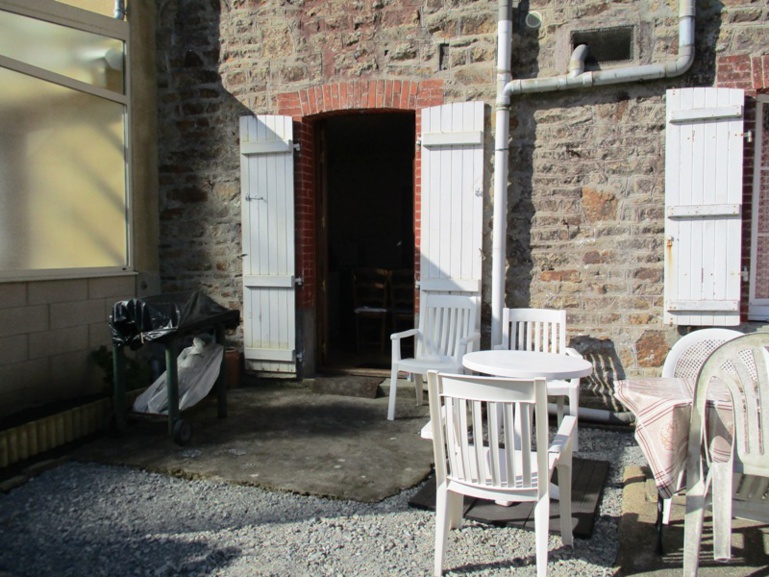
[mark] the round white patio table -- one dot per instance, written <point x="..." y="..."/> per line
<point x="527" y="365"/>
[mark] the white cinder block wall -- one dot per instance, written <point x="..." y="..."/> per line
<point x="47" y="332"/>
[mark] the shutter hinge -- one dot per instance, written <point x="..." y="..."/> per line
<point x="299" y="357"/>
<point x="297" y="147"/>
<point x="299" y="281"/>
<point x="748" y="135"/>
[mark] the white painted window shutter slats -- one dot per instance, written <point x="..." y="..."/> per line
<point x="703" y="206"/>
<point x="452" y="198"/>
<point x="267" y="210"/>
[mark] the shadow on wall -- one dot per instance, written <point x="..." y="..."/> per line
<point x="553" y="159"/>
<point x="597" y="390"/>
<point x="198" y="157"/>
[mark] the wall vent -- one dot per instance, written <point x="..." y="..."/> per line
<point x="606" y="45"/>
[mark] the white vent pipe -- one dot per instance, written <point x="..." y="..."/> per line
<point x="576" y="78"/>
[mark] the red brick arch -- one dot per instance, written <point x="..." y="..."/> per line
<point x="360" y="95"/>
<point x="306" y="105"/>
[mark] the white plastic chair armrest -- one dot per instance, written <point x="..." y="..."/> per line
<point x="396" y="338"/>
<point x="404" y="334"/>
<point x="570" y="352"/>
<point x="470" y="339"/>
<point x="463" y="346"/>
<point x="564" y="437"/>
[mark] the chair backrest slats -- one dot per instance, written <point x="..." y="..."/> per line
<point x="444" y="320"/>
<point x="487" y="436"/>
<point x="688" y="354"/>
<point x="741" y="366"/>
<point x="539" y="330"/>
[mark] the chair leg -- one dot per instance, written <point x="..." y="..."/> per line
<point x="442" y="521"/>
<point x="419" y="386"/>
<point x="695" y="511"/>
<point x="559" y="408"/>
<point x="662" y="504"/>
<point x="541" y="533"/>
<point x="456" y="503"/>
<point x="393" y="392"/>
<point x="382" y="341"/>
<point x="574" y="412"/>
<point x="721" y="501"/>
<point x="564" y="503"/>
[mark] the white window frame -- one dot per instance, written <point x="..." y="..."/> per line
<point x="758" y="309"/>
<point x="87" y="21"/>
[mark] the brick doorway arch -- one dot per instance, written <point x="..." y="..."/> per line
<point x="310" y="109"/>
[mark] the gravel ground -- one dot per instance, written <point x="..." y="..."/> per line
<point x="92" y="520"/>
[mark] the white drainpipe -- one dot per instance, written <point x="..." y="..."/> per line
<point x="576" y="78"/>
<point x="501" y="151"/>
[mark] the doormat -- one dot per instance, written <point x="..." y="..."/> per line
<point x="588" y="480"/>
<point x="348" y="385"/>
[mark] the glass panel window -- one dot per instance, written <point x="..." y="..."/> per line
<point x="62" y="177"/>
<point x="76" y="54"/>
<point x="64" y="187"/>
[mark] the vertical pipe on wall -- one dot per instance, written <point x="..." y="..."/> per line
<point x="501" y="150"/>
<point x="576" y="78"/>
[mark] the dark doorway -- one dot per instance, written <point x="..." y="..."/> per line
<point x="366" y="225"/>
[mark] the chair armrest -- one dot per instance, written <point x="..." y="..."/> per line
<point x="463" y="346"/>
<point x="396" y="338"/>
<point x="570" y="352"/>
<point x="404" y="334"/>
<point x="470" y="339"/>
<point x="564" y="437"/>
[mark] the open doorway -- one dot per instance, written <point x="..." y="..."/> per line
<point x="365" y="170"/>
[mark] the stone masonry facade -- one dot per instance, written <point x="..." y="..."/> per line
<point x="586" y="183"/>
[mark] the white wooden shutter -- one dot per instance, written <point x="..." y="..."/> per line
<point x="703" y="206"/>
<point x="452" y="198"/>
<point x="267" y="185"/>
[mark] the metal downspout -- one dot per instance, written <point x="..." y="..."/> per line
<point x="673" y="67"/>
<point x="576" y="78"/>
<point x="501" y="153"/>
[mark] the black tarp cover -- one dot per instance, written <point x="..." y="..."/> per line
<point x="162" y="317"/>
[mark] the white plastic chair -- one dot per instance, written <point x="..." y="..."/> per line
<point x="740" y="486"/>
<point x="542" y="330"/>
<point x="446" y="332"/>
<point x="484" y="445"/>
<point x="685" y="360"/>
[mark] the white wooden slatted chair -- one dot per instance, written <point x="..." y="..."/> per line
<point x="542" y="330"/>
<point x="483" y="449"/>
<point x="738" y="486"/>
<point x="446" y="332"/>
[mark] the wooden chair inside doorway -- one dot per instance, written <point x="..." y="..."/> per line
<point x="370" y="307"/>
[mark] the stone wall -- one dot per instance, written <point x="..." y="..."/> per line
<point x="586" y="193"/>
